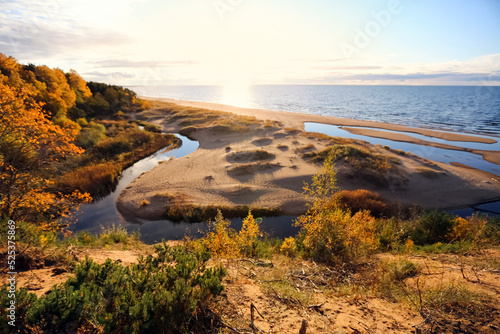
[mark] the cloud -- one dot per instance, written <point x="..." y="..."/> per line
<point x="49" y="42"/>
<point x="348" y="68"/>
<point x="112" y="63"/>
<point x="112" y="75"/>
<point x="30" y="30"/>
<point x="455" y="76"/>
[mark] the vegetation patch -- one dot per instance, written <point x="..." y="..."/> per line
<point x="93" y="179"/>
<point x="158" y="292"/>
<point x="249" y="170"/>
<point x="103" y="162"/>
<point x="429" y="172"/>
<point x="192" y="119"/>
<point x="250" y="156"/>
<point x="361" y="199"/>
<point x="374" y="168"/>
<point x="178" y="209"/>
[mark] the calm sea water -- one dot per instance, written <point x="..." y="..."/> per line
<point x="455" y="108"/>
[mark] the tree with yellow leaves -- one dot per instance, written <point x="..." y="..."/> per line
<point x="31" y="147"/>
<point x="329" y="233"/>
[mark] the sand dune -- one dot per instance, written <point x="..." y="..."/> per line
<point x="265" y="167"/>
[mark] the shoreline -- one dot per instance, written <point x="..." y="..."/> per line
<point x="218" y="174"/>
<point x="355" y="127"/>
<point x="445" y="134"/>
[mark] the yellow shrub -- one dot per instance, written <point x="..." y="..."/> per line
<point x="467" y="229"/>
<point x="288" y="247"/>
<point x="332" y="235"/>
<point x="249" y="231"/>
<point x="221" y="240"/>
<point x="409" y="245"/>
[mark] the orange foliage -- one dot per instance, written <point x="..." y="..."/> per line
<point x="91" y="178"/>
<point x="77" y="83"/>
<point x="30" y="144"/>
<point x="361" y="199"/>
<point x="467" y="229"/>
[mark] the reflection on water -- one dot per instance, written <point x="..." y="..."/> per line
<point x="427" y="152"/>
<point x="466" y="144"/>
<point x="237" y="94"/>
<point x="155" y="231"/>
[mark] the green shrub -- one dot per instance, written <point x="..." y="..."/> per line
<point x="492" y="231"/>
<point x="432" y="227"/>
<point x="91" y="135"/>
<point x="158" y="295"/>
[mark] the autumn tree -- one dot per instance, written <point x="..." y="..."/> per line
<point x="31" y="147"/>
<point x="55" y="92"/>
<point x="329" y="233"/>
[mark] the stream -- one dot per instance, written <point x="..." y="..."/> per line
<point x="102" y="213"/>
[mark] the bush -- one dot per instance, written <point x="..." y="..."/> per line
<point x="361" y="199"/>
<point x="225" y="242"/>
<point x="337" y="236"/>
<point x="158" y="295"/>
<point x="492" y="231"/>
<point x="114" y="235"/>
<point x="91" y="135"/>
<point x="400" y="269"/>
<point x="432" y="227"/>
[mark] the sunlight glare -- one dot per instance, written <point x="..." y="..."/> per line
<point x="237" y="93"/>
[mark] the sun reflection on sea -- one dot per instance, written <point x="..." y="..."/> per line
<point x="237" y="94"/>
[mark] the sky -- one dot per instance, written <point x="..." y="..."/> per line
<point x="244" y="42"/>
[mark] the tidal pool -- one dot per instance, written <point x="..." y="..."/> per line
<point x="427" y="152"/>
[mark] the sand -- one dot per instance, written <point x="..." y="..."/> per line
<point x="222" y="172"/>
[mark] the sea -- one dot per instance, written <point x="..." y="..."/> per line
<point x="466" y="109"/>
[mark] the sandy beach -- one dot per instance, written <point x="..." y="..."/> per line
<point x="231" y="169"/>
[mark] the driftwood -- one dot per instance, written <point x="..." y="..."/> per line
<point x="252" y="325"/>
<point x="303" y="328"/>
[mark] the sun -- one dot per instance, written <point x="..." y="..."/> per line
<point x="237" y="93"/>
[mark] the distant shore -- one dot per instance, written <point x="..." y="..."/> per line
<point x="209" y="175"/>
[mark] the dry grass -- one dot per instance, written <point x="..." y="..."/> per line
<point x="94" y="179"/>
<point x="372" y="165"/>
<point x="330" y="139"/>
<point x="251" y="169"/>
<point x="178" y="208"/>
<point x="305" y="149"/>
<point x="192" y="119"/>
<point x="361" y="199"/>
<point x="429" y="172"/>
<point x="250" y="156"/>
